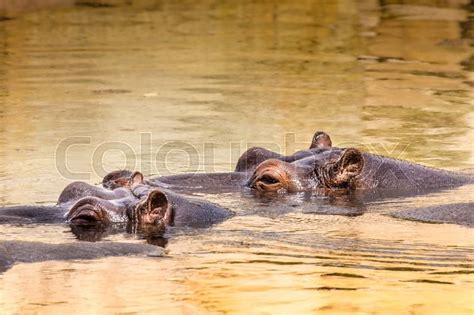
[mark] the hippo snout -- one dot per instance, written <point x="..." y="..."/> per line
<point x="88" y="210"/>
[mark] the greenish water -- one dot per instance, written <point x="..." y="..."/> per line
<point x="170" y="87"/>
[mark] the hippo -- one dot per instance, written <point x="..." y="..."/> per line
<point x="31" y="214"/>
<point x="149" y="205"/>
<point x="92" y="204"/>
<point x="329" y="171"/>
<point x="72" y="195"/>
<point x="457" y="213"/>
<point x="12" y="252"/>
<point x="81" y="203"/>
<point x="350" y="169"/>
<point x="322" y="169"/>
<point x="322" y="166"/>
<point x="116" y="179"/>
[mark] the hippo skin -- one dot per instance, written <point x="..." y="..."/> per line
<point x="350" y="169"/>
<point x="70" y="195"/>
<point x="456" y="213"/>
<point x="322" y="169"/>
<point x="327" y="170"/>
<point x="12" y="252"/>
<point x="81" y="203"/>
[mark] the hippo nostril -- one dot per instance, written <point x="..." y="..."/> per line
<point x="87" y="211"/>
<point x="89" y="217"/>
<point x="85" y="215"/>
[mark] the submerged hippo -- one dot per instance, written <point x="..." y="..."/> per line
<point x="72" y="196"/>
<point x="322" y="166"/>
<point x="148" y="205"/>
<point x="12" y="252"/>
<point x="326" y="170"/>
<point x="321" y="170"/>
<point x="350" y="169"/>
<point x="457" y="213"/>
<point x="81" y="203"/>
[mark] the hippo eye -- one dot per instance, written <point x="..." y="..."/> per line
<point x="267" y="179"/>
<point x="269" y="182"/>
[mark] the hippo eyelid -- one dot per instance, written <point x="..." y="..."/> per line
<point x="269" y="179"/>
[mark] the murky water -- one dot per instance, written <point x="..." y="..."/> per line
<point x="169" y="87"/>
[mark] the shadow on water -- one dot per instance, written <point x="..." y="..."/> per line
<point x="153" y="235"/>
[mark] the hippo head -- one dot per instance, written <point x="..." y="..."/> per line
<point x="154" y="209"/>
<point x="117" y="179"/>
<point x="92" y="210"/>
<point x="333" y="169"/>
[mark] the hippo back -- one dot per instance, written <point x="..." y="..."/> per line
<point x="387" y="173"/>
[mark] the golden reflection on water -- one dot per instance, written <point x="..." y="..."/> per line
<point x="217" y="77"/>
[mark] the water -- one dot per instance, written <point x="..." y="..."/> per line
<point x="169" y="87"/>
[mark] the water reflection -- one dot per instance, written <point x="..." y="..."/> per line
<point x="154" y="235"/>
<point x="390" y="77"/>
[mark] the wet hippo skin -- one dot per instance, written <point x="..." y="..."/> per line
<point x="350" y="169"/>
<point x="32" y="214"/>
<point x="222" y="182"/>
<point x="53" y="214"/>
<point x="72" y="194"/>
<point x="81" y="203"/>
<point x="321" y="171"/>
<point x="251" y="158"/>
<point x="77" y="190"/>
<point x="12" y="252"/>
<point x="457" y="213"/>
<point x="162" y="206"/>
<point x="327" y="170"/>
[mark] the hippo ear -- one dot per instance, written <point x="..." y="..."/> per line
<point x="321" y="140"/>
<point x="116" y="179"/>
<point x="349" y="164"/>
<point x="158" y="207"/>
<point x="135" y="179"/>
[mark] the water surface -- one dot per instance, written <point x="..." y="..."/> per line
<point x="169" y="87"/>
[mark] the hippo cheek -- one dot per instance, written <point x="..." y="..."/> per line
<point x="88" y="214"/>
